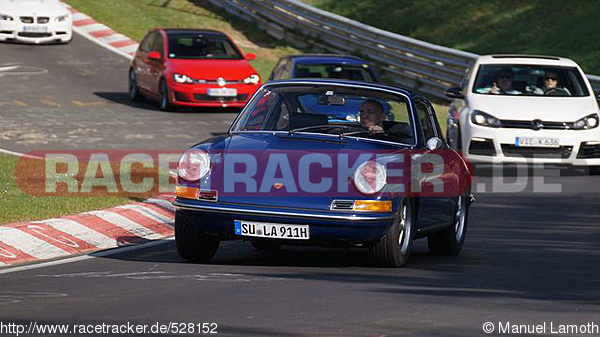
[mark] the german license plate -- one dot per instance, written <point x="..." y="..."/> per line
<point x="271" y="230"/>
<point x="536" y="142"/>
<point x="222" y="92"/>
<point x="35" y="29"/>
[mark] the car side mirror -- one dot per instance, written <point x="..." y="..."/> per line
<point x="250" y="56"/>
<point x="454" y="92"/>
<point x="434" y="143"/>
<point x="598" y="95"/>
<point x="154" y="55"/>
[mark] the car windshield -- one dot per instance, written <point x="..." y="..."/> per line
<point x="338" y="71"/>
<point x="339" y="111"/>
<point x="529" y="80"/>
<point x="198" y="46"/>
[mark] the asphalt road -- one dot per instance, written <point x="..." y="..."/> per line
<point x="530" y="257"/>
<point x="75" y="97"/>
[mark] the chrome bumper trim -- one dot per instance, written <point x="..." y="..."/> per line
<point x="332" y="217"/>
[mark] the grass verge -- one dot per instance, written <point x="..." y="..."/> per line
<point x="16" y="205"/>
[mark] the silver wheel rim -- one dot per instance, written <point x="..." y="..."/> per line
<point x="459" y="226"/>
<point x="405" y="228"/>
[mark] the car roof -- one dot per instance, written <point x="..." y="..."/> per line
<point x="526" y="59"/>
<point x="206" y="32"/>
<point x="366" y="85"/>
<point x="326" y="58"/>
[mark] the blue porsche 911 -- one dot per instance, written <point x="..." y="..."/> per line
<point x="325" y="162"/>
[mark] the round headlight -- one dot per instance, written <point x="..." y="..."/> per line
<point x="370" y="177"/>
<point x="479" y="119"/>
<point x="193" y="165"/>
<point x="591" y="122"/>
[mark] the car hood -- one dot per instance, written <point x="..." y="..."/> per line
<point x="559" y="109"/>
<point x="212" y="69"/>
<point x="32" y="7"/>
<point x="262" y="145"/>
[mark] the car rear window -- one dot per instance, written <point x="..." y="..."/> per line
<point x="338" y="71"/>
<point x="199" y="46"/>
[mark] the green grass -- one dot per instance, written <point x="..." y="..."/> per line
<point x="16" y="205"/>
<point x="135" y="17"/>
<point x="547" y="27"/>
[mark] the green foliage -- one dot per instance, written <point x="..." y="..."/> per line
<point x="547" y="27"/>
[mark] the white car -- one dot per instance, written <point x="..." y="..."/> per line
<point x="35" y="21"/>
<point x="525" y="109"/>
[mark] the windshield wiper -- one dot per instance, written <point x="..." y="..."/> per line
<point x="322" y="126"/>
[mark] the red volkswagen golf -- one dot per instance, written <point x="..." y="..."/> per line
<point x="186" y="67"/>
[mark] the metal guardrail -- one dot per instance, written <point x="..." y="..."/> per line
<point x="408" y="62"/>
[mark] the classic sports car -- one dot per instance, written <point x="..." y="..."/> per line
<point x="35" y="21"/>
<point x="288" y="172"/>
<point x="191" y="67"/>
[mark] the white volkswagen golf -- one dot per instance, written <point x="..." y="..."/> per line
<point x="35" y="21"/>
<point x="525" y="109"/>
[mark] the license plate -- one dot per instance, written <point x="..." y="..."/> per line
<point x="536" y="142"/>
<point x="222" y="92"/>
<point x="271" y="230"/>
<point x="36" y="29"/>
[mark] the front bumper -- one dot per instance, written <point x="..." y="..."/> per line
<point x="50" y="32"/>
<point x="197" y="95"/>
<point x="218" y="218"/>
<point x="498" y="146"/>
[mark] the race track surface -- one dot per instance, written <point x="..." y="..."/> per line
<point x="529" y="258"/>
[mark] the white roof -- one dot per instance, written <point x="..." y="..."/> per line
<point x="526" y="59"/>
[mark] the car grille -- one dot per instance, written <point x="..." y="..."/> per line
<point x="588" y="151"/>
<point x="27" y="19"/>
<point x="561" y="152"/>
<point x="238" y="98"/>
<point x="342" y="205"/>
<point x="43" y="19"/>
<point x="31" y="34"/>
<point x="215" y="81"/>
<point x="534" y="125"/>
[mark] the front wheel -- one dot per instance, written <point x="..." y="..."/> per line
<point x="393" y="249"/>
<point x="192" y="244"/>
<point x="450" y="240"/>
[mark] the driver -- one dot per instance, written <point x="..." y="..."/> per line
<point x="372" y="116"/>
<point x="551" y="83"/>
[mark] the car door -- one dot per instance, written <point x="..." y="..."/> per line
<point x="433" y="211"/>
<point x="156" y="67"/>
<point x="142" y="67"/>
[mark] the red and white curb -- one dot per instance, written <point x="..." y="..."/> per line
<point x="86" y="232"/>
<point x="101" y="34"/>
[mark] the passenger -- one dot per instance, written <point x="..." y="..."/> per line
<point x="372" y="116"/>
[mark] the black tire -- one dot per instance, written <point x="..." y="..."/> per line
<point x="192" y="244"/>
<point x="134" y="91"/>
<point x="393" y="249"/>
<point x="594" y="170"/>
<point x="265" y="244"/>
<point x="450" y="240"/>
<point x="164" y="101"/>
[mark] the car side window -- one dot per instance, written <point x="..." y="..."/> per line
<point x="147" y="42"/>
<point x="425" y="121"/>
<point x="158" y="44"/>
<point x="286" y="72"/>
